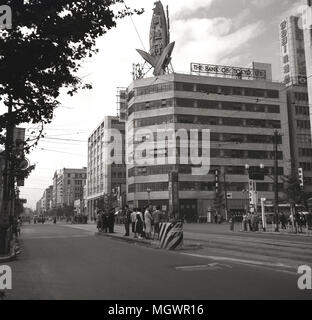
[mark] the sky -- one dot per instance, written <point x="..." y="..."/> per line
<point x="226" y="32"/>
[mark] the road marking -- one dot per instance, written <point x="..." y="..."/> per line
<point x="243" y="261"/>
<point x="57" y="237"/>
<point x="211" y="266"/>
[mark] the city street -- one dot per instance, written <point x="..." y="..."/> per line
<point x="67" y="262"/>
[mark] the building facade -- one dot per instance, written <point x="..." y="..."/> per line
<point x="242" y="113"/>
<point x="68" y="186"/>
<point x="308" y="49"/>
<point x="294" y="70"/>
<point x="300" y="132"/>
<point x="106" y="162"/>
<point x="293" y="60"/>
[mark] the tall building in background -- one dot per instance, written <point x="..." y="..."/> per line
<point x="104" y="177"/>
<point x="308" y="51"/>
<point x="292" y="43"/>
<point x="293" y="58"/>
<point x="241" y="107"/>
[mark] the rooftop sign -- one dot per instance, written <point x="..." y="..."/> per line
<point x="229" y="72"/>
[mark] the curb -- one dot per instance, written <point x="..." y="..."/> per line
<point x="126" y="239"/>
<point x="8" y="258"/>
<point x="275" y="233"/>
<point x="153" y="244"/>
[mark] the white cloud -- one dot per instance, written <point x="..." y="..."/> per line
<point x="209" y="40"/>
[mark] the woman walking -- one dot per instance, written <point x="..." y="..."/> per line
<point x="148" y="223"/>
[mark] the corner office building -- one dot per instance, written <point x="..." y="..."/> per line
<point x="242" y="114"/>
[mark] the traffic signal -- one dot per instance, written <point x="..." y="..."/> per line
<point x="300" y="177"/>
<point x="256" y="173"/>
<point x="217" y="180"/>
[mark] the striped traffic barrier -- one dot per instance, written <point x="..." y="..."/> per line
<point x="171" y="235"/>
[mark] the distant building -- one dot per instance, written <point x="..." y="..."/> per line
<point x="47" y="199"/>
<point x="68" y="186"/>
<point x="104" y="177"/>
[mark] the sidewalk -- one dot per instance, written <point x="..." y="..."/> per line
<point x="225" y="229"/>
<point x="119" y="231"/>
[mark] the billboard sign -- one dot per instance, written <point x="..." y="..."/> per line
<point x="230" y="72"/>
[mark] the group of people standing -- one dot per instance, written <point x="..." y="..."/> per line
<point x="106" y="220"/>
<point x="144" y="223"/>
<point x="251" y="221"/>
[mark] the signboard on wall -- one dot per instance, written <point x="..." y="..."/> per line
<point x="284" y="39"/>
<point x="230" y="72"/>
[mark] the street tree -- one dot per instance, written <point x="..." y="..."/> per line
<point x="42" y="52"/>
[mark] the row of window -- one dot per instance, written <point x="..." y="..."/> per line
<point x="76" y="182"/>
<point x="199" y="186"/>
<point x="214" y="136"/>
<point x="214" y="153"/>
<point x="206" y="120"/>
<point x="306" y="166"/>
<point x="305" y="152"/>
<point x="301" y="110"/>
<point x="204" y="88"/>
<point x="187" y="169"/>
<point x="203" y="104"/>
<point x="303" y="124"/>
<point x="77" y="175"/>
<point x="301" y="96"/>
<point x="304" y="138"/>
<point x="118" y="175"/>
<point x="308" y="181"/>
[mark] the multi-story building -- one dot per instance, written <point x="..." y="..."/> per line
<point x="293" y="58"/>
<point x="68" y="186"/>
<point x="307" y="27"/>
<point x="241" y="107"/>
<point x="104" y="173"/>
<point x="295" y="78"/>
<point x="47" y="199"/>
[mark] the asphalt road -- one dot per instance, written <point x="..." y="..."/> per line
<point x="59" y="262"/>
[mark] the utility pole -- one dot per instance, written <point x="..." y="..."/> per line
<point x="8" y="182"/>
<point x="275" y="141"/>
<point x="225" y="196"/>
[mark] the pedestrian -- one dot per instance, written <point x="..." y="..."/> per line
<point x="19" y="225"/>
<point x="148" y="223"/>
<point x="127" y="220"/>
<point x="302" y="221"/>
<point x="157" y="218"/>
<point x="111" y="220"/>
<point x="283" y="221"/>
<point x="249" y="221"/>
<point x="14" y="228"/>
<point x="133" y="220"/>
<point x="99" y="220"/>
<point x="139" y="225"/>
<point x="104" y="222"/>
<point x="216" y="218"/>
<point x="54" y="220"/>
<point x="245" y="221"/>
<point x="298" y="222"/>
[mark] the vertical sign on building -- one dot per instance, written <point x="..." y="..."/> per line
<point x="285" y="51"/>
<point x="173" y="189"/>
